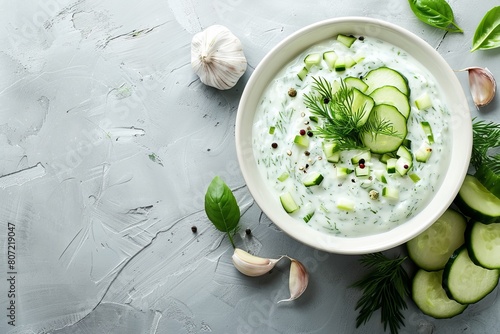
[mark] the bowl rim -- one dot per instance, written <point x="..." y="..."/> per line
<point x="461" y="145"/>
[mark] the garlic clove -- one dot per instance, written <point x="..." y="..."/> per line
<point x="482" y="85"/>
<point x="252" y="265"/>
<point x="298" y="281"/>
<point x="217" y="57"/>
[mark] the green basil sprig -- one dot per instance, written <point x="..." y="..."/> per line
<point x="436" y="13"/>
<point x="487" y="35"/>
<point x="221" y="207"/>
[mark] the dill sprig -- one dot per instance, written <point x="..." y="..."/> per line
<point x="341" y="119"/>
<point x="486" y="139"/>
<point x="385" y="288"/>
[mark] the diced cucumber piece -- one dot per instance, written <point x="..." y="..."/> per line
<point x="489" y="179"/>
<point x="414" y="177"/>
<point x="391" y="165"/>
<point x="423" y="101"/>
<point x="407" y="143"/>
<point x="353" y="82"/>
<point x="404" y="152"/>
<point x="365" y="155"/>
<point x="345" y="204"/>
<point x="340" y="64"/>
<point x="346" y="40"/>
<point x="330" y="57"/>
<point x="331" y="151"/>
<point x="349" y="61"/>
<point x="390" y="193"/>
<point x="466" y="282"/>
<point x="392" y="96"/>
<point x="288" y="202"/>
<point x="271" y="130"/>
<point x="430" y="297"/>
<point x="361" y="106"/>
<point x="301" y="140"/>
<point x="358" y="58"/>
<point x="483" y="244"/>
<point x="303" y="73"/>
<point x="423" y="153"/>
<point x="432" y="248"/>
<point x="313" y="179"/>
<point x="427" y="131"/>
<point x="403" y="166"/>
<point x="382" y="143"/>
<point x="283" y="176"/>
<point x="383" y="76"/>
<point x="308" y="216"/>
<point x="362" y="171"/>
<point x="380" y="175"/>
<point x="387" y="156"/>
<point x="313" y="119"/>
<point x="334" y="158"/>
<point x="312" y="59"/>
<point x="343" y="171"/>
<point x="477" y="202"/>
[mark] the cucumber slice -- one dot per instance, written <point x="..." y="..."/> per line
<point x="345" y="204"/>
<point x="343" y="172"/>
<point x="301" y="140"/>
<point x="330" y="57"/>
<point x="428" y="131"/>
<point x="288" y="202"/>
<point x="392" y="96"/>
<point x="423" y="153"/>
<point x="466" y="282"/>
<point x="361" y="106"/>
<point x="346" y="40"/>
<point x="477" y="202"/>
<point x="313" y="179"/>
<point x="386" y="76"/>
<point x="431" y="249"/>
<point x="483" y="244"/>
<point x="390" y="193"/>
<point x="312" y="59"/>
<point x="365" y="155"/>
<point x="303" y="73"/>
<point x="353" y="82"/>
<point x="489" y="179"/>
<point x="430" y="297"/>
<point x="423" y="102"/>
<point x="382" y="143"/>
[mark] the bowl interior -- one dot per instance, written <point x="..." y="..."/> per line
<point x="460" y="129"/>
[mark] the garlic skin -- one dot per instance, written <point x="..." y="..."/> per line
<point x="252" y="265"/>
<point x="217" y="57"/>
<point x="482" y="85"/>
<point x="298" y="281"/>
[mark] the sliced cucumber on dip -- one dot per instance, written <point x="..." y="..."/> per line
<point x="381" y="143"/>
<point x="477" y="202"/>
<point x="430" y="297"/>
<point x="385" y="76"/>
<point x="431" y="249"/>
<point x="483" y="244"/>
<point x="392" y="96"/>
<point x="465" y="281"/>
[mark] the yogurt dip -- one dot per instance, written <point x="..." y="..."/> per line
<point x="349" y="205"/>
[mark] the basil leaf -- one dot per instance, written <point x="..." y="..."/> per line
<point x="221" y="207"/>
<point x="487" y="35"/>
<point x="436" y="13"/>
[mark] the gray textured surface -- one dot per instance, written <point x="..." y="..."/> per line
<point x="108" y="142"/>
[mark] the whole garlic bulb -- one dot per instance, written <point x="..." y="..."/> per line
<point x="217" y="57"/>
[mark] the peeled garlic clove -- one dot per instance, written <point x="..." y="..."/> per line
<point x="217" y="57"/>
<point x="252" y="265"/>
<point x="482" y="85"/>
<point x="298" y="281"/>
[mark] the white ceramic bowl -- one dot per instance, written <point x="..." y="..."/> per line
<point x="454" y="97"/>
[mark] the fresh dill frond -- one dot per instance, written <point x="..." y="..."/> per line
<point x="485" y="145"/>
<point x="385" y="288"/>
<point x="342" y="119"/>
